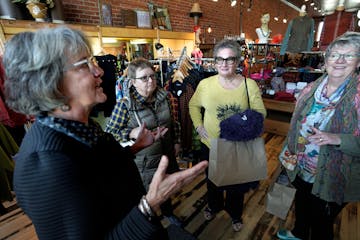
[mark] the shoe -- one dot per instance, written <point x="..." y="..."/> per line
<point x="174" y="220"/>
<point x="237" y="225"/>
<point x="286" y="235"/>
<point x="208" y="215"/>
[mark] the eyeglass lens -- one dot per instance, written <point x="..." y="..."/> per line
<point x="146" y="78"/>
<point x="229" y="60"/>
<point x="337" y="56"/>
<point x="91" y="62"/>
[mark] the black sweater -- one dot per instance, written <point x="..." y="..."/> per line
<point x="73" y="191"/>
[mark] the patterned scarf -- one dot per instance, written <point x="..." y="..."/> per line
<point x="87" y="134"/>
<point x="320" y="113"/>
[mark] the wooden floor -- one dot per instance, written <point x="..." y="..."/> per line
<point x="258" y="224"/>
<point x="191" y="200"/>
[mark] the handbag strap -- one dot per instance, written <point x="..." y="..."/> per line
<point x="247" y="94"/>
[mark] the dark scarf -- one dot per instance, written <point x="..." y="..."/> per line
<point x="87" y="134"/>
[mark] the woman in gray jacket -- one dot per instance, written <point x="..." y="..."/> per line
<point x="145" y="102"/>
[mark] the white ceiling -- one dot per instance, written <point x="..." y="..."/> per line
<point x="327" y="6"/>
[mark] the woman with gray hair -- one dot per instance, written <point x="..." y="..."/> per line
<point x="72" y="179"/>
<point x="222" y="96"/>
<point x="145" y="102"/>
<point x="322" y="151"/>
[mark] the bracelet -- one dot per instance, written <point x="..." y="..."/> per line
<point x="145" y="208"/>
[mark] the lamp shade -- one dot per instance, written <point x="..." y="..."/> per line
<point x="195" y="10"/>
<point x="158" y="46"/>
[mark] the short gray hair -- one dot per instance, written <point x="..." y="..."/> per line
<point x="138" y="63"/>
<point x="230" y="44"/>
<point x="34" y="65"/>
<point x="346" y="39"/>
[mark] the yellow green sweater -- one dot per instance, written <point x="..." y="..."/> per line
<point x="220" y="103"/>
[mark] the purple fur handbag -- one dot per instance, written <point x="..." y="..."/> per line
<point x="243" y="126"/>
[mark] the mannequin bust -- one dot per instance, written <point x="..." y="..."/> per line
<point x="302" y="12"/>
<point x="264" y="32"/>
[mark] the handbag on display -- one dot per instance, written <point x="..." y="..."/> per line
<point x="238" y="156"/>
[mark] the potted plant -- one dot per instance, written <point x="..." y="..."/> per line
<point x="37" y="8"/>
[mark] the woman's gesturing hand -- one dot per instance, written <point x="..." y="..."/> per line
<point x="159" y="133"/>
<point x="164" y="185"/>
<point x="323" y="138"/>
<point x="144" y="137"/>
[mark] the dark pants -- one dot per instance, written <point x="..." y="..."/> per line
<point x="314" y="216"/>
<point x="233" y="202"/>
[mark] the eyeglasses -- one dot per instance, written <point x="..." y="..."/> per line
<point x="85" y="64"/>
<point x="229" y="60"/>
<point x="347" y="56"/>
<point x="146" y="78"/>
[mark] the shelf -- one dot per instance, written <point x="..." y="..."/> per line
<point x="282" y="106"/>
<point x="306" y="71"/>
<point x="277" y="127"/>
<point x="11" y="27"/>
<point x="278" y="116"/>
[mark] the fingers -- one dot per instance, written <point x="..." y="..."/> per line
<point x="160" y="132"/>
<point x="138" y="131"/>
<point x="189" y="174"/>
<point x="163" y="131"/>
<point x="184" y="177"/>
<point x="156" y="194"/>
<point x="163" y="186"/>
<point x="315" y="130"/>
<point x="164" y="162"/>
<point x="142" y="127"/>
<point x="323" y="138"/>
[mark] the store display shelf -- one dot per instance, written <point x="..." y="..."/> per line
<point x="278" y="116"/>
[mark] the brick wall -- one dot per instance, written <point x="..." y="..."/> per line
<point x="223" y="18"/>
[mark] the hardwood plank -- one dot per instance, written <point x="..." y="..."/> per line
<point x="9" y="216"/>
<point x="26" y="234"/>
<point x="16" y="225"/>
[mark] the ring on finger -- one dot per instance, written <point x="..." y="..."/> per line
<point x="321" y="139"/>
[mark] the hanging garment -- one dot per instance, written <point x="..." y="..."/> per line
<point x="109" y="64"/>
<point x="299" y="35"/>
<point x="8" y="148"/>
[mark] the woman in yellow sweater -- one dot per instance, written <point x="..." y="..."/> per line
<point x="221" y="96"/>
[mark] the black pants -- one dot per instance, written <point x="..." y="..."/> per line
<point x="314" y="216"/>
<point x="233" y="202"/>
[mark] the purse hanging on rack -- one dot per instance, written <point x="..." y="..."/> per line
<point x="240" y="157"/>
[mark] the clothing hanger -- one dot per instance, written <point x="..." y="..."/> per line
<point x="178" y="76"/>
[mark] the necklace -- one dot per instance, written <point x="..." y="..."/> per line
<point x="265" y="35"/>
